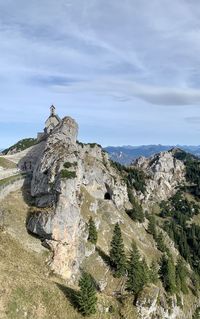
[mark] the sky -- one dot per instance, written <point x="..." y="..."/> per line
<point x="127" y="71"/>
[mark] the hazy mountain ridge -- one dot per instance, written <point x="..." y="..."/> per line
<point x="123" y="154"/>
<point x="126" y="154"/>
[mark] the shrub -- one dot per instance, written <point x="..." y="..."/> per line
<point x="69" y="165"/>
<point x="67" y="174"/>
<point x="136" y="213"/>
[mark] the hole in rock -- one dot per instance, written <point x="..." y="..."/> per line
<point x="107" y="196"/>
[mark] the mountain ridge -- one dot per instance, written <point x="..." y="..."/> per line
<point x="123" y="154"/>
<point x="65" y="183"/>
<point x="126" y="154"/>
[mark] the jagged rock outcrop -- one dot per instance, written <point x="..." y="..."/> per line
<point x="153" y="302"/>
<point x="164" y="173"/>
<point x="62" y="169"/>
<point x="73" y="181"/>
<point x="70" y="182"/>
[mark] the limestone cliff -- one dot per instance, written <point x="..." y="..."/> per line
<point x="63" y="168"/>
<point x="164" y="173"/>
<point x="71" y="182"/>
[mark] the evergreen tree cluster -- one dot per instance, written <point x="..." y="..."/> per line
<point x="192" y="165"/>
<point x="168" y="273"/>
<point x="158" y="236"/>
<point x="134" y="267"/>
<point x="186" y="235"/>
<point x="133" y="176"/>
<point x="138" y="272"/>
<point x="136" y="213"/>
<point x="136" y="178"/>
<point x="174" y="277"/>
<point x="179" y="207"/>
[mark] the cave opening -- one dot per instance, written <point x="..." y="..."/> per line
<point x="107" y="196"/>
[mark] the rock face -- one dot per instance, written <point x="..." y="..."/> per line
<point x="72" y="182"/>
<point x="59" y="197"/>
<point x="152" y="302"/>
<point x="164" y="172"/>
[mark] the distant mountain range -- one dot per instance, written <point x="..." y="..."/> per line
<point x="122" y="154"/>
<point x="126" y="154"/>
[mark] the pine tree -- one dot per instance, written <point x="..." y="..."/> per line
<point x="168" y="273"/>
<point x="146" y="271"/>
<point x="117" y="254"/>
<point x="160" y="242"/>
<point x="92" y="232"/>
<point x="136" y="213"/>
<point x="152" y="226"/>
<point x="86" y="298"/>
<point x="181" y="276"/>
<point x="153" y="272"/>
<point x="136" y="271"/>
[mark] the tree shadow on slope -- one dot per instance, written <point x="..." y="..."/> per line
<point x="104" y="256"/>
<point x="70" y="294"/>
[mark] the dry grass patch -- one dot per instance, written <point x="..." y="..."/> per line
<point x="5" y="163"/>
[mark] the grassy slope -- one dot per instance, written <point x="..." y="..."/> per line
<point x="27" y="287"/>
<point x="29" y="290"/>
<point x="106" y="217"/>
<point x="10" y="179"/>
<point x="5" y="163"/>
<point x="21" y="145"/>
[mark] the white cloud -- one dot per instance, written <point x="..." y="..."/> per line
<point x="123" y="52"/>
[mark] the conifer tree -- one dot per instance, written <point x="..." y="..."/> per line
<point x="181" y="276"/>
<point x="152" y="226"/>
<point x="86" y="299"/>
<point x="146" y="271"/>
<point x="92" y="232"/>
<point x="153" y="272"/>
<point x="136" y="271"/>
<point x="136" y="213"/>
<point x="117" y="254"/>
<point x="168" y="273"/>
<point x="160" y="242"/>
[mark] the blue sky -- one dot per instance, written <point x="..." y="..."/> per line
<point x="128" y="71"/>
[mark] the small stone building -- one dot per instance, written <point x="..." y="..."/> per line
<point x="52" y="121"/>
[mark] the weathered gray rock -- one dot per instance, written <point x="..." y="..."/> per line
<point x="62" y="223"/>
<point x="164" y="172"/>
<point x="40" y="223"/>
<point x="152" y="302"/>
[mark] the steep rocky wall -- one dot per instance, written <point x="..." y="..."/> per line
<point x="61" y="223"/>
<point x="72" y="182"/>
<point x="164" y="173"/>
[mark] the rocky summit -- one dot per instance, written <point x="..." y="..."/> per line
<point x="68" y="210"/>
